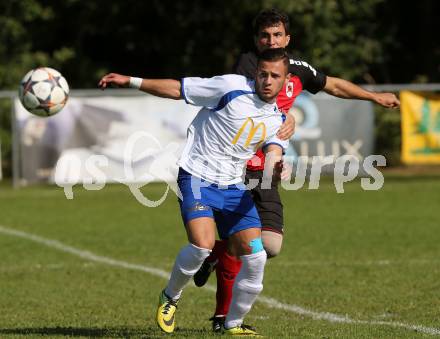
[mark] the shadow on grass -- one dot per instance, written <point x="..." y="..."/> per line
<point x="108" y="332"/>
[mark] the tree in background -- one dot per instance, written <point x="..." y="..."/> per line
<point x="337" y="36"/>
<point x="18" y="55"/>
<point x="370" y="41"/>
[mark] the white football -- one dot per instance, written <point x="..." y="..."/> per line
<point x="43" y="91"/>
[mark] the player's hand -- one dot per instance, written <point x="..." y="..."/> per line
<point x="287" y="128"/>
<point x="118" y="80"/>
<point x="388" y="100"/>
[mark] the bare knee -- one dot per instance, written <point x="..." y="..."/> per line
<point x="272" y="242"/>
<point x="203" y="243"/>
<point x="245" y="242"/>
<point x="201" y="232"/>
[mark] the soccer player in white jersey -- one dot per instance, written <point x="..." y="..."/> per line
<point x="238" y="116"/>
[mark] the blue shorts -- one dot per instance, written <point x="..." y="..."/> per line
<point x="231" y="206"/>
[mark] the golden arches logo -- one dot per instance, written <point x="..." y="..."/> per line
<point x="252" y="131"/>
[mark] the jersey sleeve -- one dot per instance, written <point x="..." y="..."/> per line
<point x="313" y="80"/>
<point x="245" y="65"/>
<point x="284" y="144"/>
<point x="205" y="92"/>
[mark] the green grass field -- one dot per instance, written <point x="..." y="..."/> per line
<point x="368" y="259"/>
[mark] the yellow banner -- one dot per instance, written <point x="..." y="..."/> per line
<point x="420" y="128"/>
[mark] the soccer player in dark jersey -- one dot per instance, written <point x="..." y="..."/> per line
<point x="271" y="30"/>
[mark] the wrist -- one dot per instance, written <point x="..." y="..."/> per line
<point x="135" y="83"/>
<point x="374" y="97"/>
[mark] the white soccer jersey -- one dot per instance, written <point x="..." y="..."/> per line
<point x="233" y="123"/>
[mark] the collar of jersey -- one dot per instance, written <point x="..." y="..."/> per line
<point x="228" y="97"/>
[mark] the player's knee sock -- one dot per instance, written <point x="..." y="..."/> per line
<point x="248" y="285"/>
<point x="187" y="263"/>
<point x="226" y="271"/>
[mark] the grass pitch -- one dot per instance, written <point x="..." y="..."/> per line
<point x="370" y="259"/>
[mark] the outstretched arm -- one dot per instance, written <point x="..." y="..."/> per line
<point x="165" y="88"/>
<point x="345" y="89"/>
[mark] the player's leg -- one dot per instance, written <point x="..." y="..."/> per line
<point x="243" y="227"/>
<point x="270" y="211"/>
<point x="246" y="245"/>
<point x="227" y="268"/>
<point x="199" y="222"/>
<point x="201" y="236"/>
<point x="272" y="242"/>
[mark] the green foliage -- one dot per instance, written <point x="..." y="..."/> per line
<point x="5" y="136"/>
<point x="338" y="36"/>
<point x="17" y="50"/>
<point x="19" y="20"/>
<point x="388" y="134"/>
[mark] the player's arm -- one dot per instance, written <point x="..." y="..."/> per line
<point x="273" y="165"/>
<point x="345" y="89"/>
<point x="165" y="88"/>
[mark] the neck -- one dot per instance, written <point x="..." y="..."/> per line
<point x="268" y="100"/>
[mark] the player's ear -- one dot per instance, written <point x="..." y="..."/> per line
<point x="287" y="39"/>
<point x="288" y="78"/>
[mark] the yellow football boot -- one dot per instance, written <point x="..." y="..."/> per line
<point x="165" y="313"/>
<point x="242" y="330"/>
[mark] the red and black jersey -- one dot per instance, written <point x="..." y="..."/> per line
<point x="303" y="76"/>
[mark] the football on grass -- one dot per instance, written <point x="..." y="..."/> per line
<point x="43" y="91"/>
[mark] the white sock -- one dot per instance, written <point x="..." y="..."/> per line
<point x="247" y="286"/>
<point x="187" y="263"/>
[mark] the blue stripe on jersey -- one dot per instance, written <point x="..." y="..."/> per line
<point x="274" y="143"/>
<point x="182" y="90"/>
<point x="283" y="117"/>
<point x="228" y="97"/>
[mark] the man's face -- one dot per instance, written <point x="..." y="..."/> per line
<point x="272" y="37"/>
<point x="270" y="78"/>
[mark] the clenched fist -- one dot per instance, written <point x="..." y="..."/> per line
<point x="388" y="100"/>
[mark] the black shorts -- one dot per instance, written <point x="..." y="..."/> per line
<point x="268" y="203"/>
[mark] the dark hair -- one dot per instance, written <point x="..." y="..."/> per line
<point x="269" y="18"/>
<point x="274" y="54"/>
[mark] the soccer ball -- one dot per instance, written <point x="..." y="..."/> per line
<point x="43" y="91"/>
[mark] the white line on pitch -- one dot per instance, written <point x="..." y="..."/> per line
<point x="273" y="303"/>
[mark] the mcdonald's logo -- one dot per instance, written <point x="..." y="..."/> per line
<point x="253" y="129"/>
